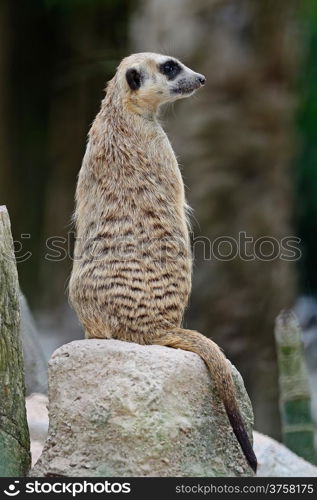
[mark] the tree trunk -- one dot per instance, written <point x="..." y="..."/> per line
<point x="14" y="433"/>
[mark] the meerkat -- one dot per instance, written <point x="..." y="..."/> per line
<point x="131" y="276"/>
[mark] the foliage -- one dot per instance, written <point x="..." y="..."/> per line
<point x="73" y="4"/>
<point x="307" y="158"/>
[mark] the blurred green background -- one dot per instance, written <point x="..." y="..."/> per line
<point x="246" y="146"/>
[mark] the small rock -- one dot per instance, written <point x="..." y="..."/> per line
<point x="275" y="460"/>
<point x="37" y="416"/>
<point x="35" y="365"/>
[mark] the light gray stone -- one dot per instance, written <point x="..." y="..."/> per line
<point x="122" y="409"/>
<point x="35" y="365"/>
<point x="37" y="415"/>
<point x="276" y="460"/>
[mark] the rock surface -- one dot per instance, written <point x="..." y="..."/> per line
<point x="37" y="415"/>
<point x="121" y="409"/>
<point x="35" y="365"/>
<point x="276" y="460"/>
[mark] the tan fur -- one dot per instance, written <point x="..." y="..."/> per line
<point x="131" y="277"/>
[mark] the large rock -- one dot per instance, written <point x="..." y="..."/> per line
<point x="275" y="460"/>
<point x="121" y="409"/>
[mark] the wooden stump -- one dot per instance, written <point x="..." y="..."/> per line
<point x="297" y="425"/>
<point x="14" y="433"/>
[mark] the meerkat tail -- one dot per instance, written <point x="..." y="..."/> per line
<point x="221" y="373"/>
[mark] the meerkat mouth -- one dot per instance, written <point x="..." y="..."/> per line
<point x="186" y="87"/>
<point x="184" y="91"/>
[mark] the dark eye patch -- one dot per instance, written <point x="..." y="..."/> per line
<point x="170" y="69"/>
<point x="134" y="78"/>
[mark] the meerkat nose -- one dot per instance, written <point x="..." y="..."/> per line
<point x="202" y="79"/>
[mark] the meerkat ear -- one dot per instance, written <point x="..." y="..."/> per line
<point x="133" y="78"/>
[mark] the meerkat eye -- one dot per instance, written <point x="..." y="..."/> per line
<point x="170" y="69"/>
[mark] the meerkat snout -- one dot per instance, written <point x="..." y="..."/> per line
<point x="188" y="84"/>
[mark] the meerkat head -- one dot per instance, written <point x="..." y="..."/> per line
<point x="149" y="80"/>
